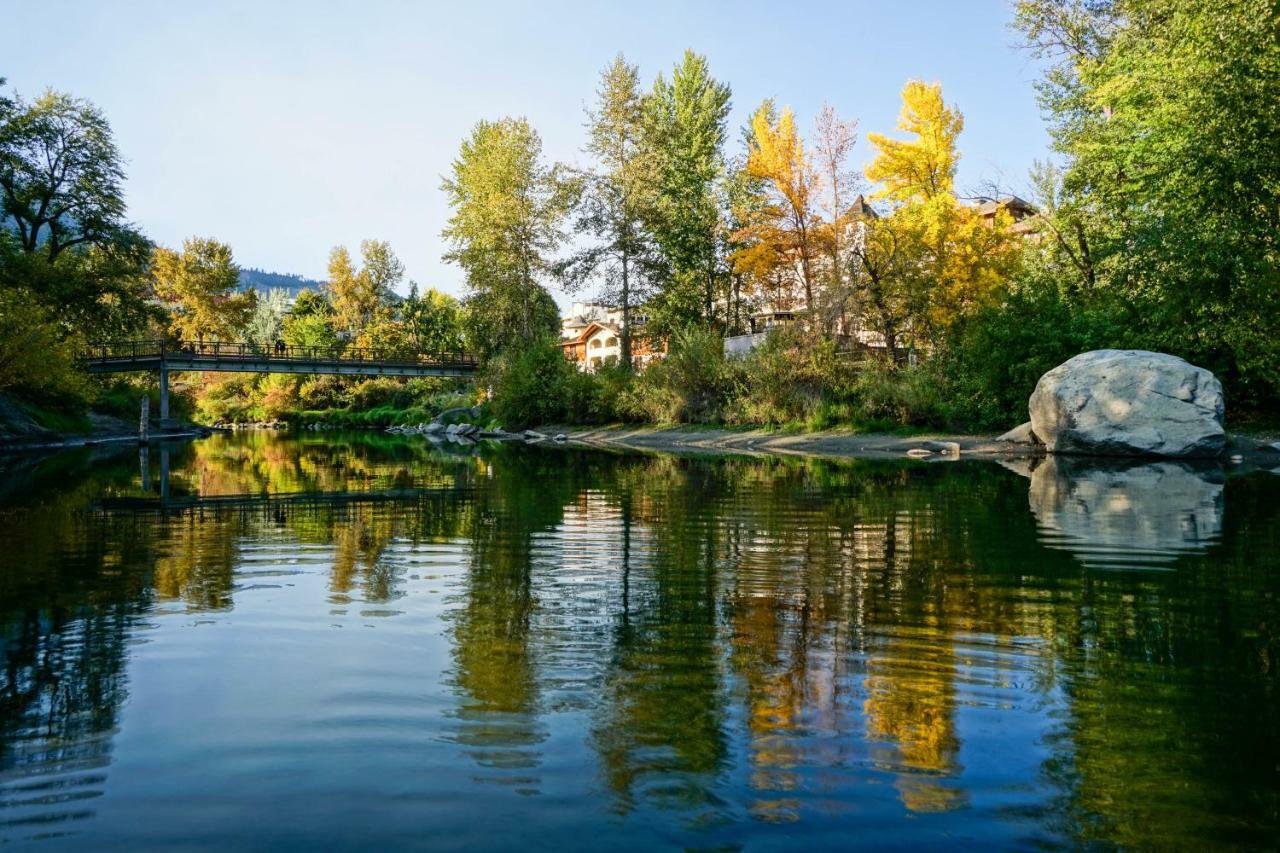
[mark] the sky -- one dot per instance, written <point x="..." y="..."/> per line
<point x="285" y="129"/>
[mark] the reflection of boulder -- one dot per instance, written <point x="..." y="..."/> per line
<point x="1129" y="403"/>
<point x="1126" y="515"/>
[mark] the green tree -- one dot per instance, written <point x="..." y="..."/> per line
<point x="685" y="133"/>
<point x="65" y="239"/>
<point x="61" y="176"/>
<point x="199" y="286"/>
<point x="309" y="302"/>
<point x="309" y="330"/>
<point x="36" y="359"/>
<point x="617" y="202"/>
<point x="266" y="322"/>
<point x="507" y="222"/>
<point x="359" y="295"/>
<point x="1170" y="200"/>
<point x="434" y="321"/>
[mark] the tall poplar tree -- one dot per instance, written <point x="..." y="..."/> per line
<point x="617" y="201"/>
<point x="508" y="213"/>
<point x="685" y="129"/>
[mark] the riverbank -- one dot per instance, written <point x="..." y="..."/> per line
<point x="835" y="443"/>
<point x="25" y="427"/>
<point x="1252" y="452"/>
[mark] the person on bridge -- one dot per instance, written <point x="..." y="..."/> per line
<point x="280" y="348"/>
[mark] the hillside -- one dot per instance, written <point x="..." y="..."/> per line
<point x="262" y="281"/>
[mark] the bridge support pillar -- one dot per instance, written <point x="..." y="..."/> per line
<point x="164" y="397"/>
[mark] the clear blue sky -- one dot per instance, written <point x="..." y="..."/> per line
<point x="287" y="128"/>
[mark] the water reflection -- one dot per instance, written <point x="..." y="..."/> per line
<point x="1127" y="514"/>
<point x="515" y="643"/>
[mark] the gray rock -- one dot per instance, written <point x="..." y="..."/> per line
<point x="919" y="452"/>
<point x="1129" y="403"/>
<point x="561" y="437"/>
<point x="433" y="428"/>
<point x="1023" y="434"/>
<point x="950" y="448"/>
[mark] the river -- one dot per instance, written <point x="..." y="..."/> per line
<point x="359" y="642"/>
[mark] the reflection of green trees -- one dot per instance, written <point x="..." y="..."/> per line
<point x="68" y="600"/>
<point x="779" y="616"/>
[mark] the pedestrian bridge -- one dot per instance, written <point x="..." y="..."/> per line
<point x="135" y="356"/>
<point x="165" y="356"/>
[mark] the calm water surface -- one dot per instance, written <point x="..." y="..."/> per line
<point x="342" y="643"/>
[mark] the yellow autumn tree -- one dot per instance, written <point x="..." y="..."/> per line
<point x="924" y="166"/>
<point x="784" y="218"/>
<point x="198" y="285"/>
<point x="932" y="257"/>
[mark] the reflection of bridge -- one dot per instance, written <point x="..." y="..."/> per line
<point x="271" y="504"/>
<point x="268" y="503"/>
<point x="161" y="356"/>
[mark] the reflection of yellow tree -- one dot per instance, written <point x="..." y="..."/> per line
<point x="195" y="561"/>
<point x="911" y="705"/>
<point x="360" y="537"/>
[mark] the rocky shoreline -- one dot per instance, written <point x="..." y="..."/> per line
<point x="1242" y="452"/>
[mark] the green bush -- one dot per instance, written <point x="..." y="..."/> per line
<point x="37" y="362"/>
<point x="536" y="385"/>
<point x="992" y="362"/>
<point x="885" y="396"/>
<point x="790" y="379"/>
<point x="690" y="385"/>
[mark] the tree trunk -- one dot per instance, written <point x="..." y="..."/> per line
<point x="624" y="341"/>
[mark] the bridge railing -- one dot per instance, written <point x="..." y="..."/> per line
<point x="222" y="350"/>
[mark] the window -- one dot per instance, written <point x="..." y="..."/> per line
<point x="612" y="342"/>
<point x="595" y="344"/>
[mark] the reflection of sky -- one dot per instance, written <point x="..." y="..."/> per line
<point x="888" y="657"/>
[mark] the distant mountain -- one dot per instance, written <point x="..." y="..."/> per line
<point x="262" y="281"/>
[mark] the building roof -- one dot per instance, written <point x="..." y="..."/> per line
<point x="861" y="208"/>
<point x="1019" y="208"/>
<point x="588" y="333"/>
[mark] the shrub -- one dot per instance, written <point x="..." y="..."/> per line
<point x="533" y="386"/>
<point x="992" y="363"/>
<point x="690" y="385"/>
<point x="36" y="360"/>
<point x="791" y="379"/>
<point x="885" y="396"/>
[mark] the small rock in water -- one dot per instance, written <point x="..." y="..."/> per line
<point x="951" y="448"/>
<point x="561" y="437"/>
<point x="1023" y="434"/>
<point x="919" y="452"/>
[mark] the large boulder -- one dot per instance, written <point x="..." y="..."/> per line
<point x="1129" y="403"/>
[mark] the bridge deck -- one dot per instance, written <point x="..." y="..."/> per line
<point x="134" y="356"/>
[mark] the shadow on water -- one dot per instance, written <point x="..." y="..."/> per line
<point x="512" y="643"/>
